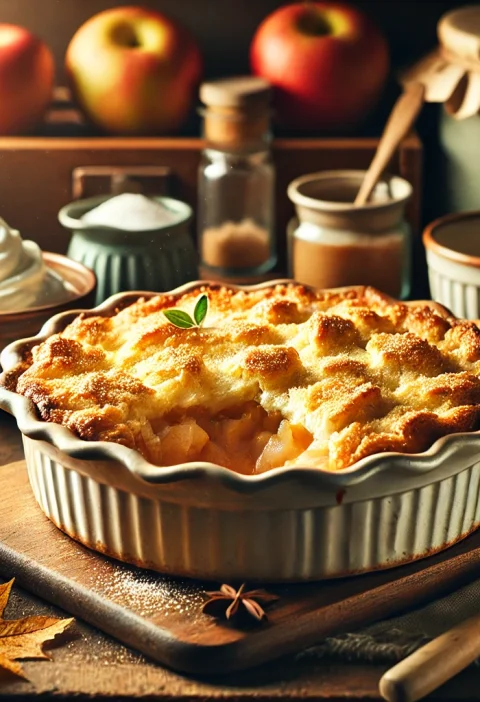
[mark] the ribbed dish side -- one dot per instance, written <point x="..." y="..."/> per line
<point x="463" y="299"/>
<point x="280" y="545"/>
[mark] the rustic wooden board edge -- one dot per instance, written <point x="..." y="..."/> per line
<point x="200" y="659"/>
<point x="129" y="628"/>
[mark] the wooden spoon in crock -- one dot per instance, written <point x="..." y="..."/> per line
<point x="400" y="121"/>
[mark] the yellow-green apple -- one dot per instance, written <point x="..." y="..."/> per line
<point x="327" y="62"/>
<point x="133" y="71"/>
<point x="26" y="79"/>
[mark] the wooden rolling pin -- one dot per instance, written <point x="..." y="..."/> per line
<point x="433" y="664"/>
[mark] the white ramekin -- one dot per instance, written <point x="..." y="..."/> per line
<point x="204" y="521"/>
<point x="452" y="245"/>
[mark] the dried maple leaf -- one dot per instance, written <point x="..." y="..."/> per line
<point x="24" y="638"/>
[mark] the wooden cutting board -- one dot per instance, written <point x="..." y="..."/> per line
<point x="162" y="617"/>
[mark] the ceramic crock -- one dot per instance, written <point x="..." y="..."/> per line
<point x="156" y="259"/>
<point x="333" y="243"/>
<point x="458" y="169"/>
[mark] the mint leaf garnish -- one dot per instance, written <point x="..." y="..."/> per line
<point x="179" y="319"/>
<point x="182" y="319"/>
<point x="201" y="308"/>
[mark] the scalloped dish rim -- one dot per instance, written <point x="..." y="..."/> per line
<point x="23" y="409"/>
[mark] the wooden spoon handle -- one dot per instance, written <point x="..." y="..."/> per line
<point x="399" y="123"/>
<point x="433" y="664"/>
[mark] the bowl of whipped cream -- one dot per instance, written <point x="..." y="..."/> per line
<point x="35" y="285"/>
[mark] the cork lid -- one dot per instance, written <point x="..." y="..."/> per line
<point x="241" y="92"/>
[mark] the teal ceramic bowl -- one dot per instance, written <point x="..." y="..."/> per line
<point x="156" y="259"/>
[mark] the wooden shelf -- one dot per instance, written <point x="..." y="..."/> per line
<point x="36" y="172"/>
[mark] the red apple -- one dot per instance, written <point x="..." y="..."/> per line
<point x="327" y="62"/>
<point x="26" y="79"/>
<point x="133" y="71"/>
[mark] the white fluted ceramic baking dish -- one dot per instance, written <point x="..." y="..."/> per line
<point x="204" y="521"/>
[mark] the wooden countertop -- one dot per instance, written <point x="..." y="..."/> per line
<point x="90" y="664"/>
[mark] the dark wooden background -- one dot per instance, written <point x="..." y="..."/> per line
<point x="224" y="29"/>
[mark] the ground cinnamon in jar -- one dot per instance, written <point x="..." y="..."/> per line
<point x="353" y="260"/>
<point x="236" y="179"/>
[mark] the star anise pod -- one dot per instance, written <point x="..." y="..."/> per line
<point x="228" y="602"/>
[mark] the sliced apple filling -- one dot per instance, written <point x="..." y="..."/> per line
<point x="245" y="439"/>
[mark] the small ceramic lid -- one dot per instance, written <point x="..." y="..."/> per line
<point x="240" y="93"/>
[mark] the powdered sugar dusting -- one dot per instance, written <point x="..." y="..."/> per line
<point x="98" y="649"/>
<point x="146" y="593"/>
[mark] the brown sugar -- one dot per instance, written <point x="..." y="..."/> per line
<point x="242" y="244"/>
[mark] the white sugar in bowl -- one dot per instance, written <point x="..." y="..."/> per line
<point x="132" y="242"/>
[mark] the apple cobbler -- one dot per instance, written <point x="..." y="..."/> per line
<point x="281" y="376"/>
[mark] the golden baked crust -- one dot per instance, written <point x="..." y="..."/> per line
<point x="279" y="376"/>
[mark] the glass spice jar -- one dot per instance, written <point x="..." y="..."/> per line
<point x="236" y="181"/>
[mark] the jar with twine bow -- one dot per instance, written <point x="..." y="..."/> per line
<point x="451" y="75"/>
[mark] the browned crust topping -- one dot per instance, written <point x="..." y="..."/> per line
<point x="353" y="373"/>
